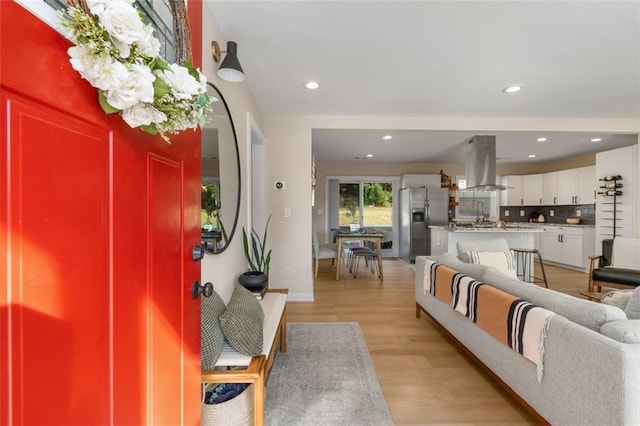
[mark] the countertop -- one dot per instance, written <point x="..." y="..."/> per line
<point x="543" y="224"/>
<point x="510" y="228"/>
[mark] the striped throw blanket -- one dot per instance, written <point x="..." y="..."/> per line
<point x="516" y="323"/>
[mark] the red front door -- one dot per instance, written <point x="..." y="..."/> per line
<point x="97" y="221"/>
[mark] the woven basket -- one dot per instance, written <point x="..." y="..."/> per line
<point x="237" y="411"/>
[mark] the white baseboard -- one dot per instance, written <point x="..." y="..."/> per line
<point x="300" y="297"/>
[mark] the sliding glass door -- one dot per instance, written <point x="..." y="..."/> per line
<point x="367" y="205"/>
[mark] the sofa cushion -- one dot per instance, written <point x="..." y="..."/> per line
<point x="498" y="244"/>
<point x="618" y="298"/>
<point x="242" y="322"/>
<point x="586" y="313"/>
<point x="503" y="261"/>
<point x="211" y="334"/>
<point x="623" y="331"/>
<point x="633" y="306"/>
<point x="472" y="270"/>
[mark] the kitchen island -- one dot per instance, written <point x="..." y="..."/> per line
<point x="445" y="239"/>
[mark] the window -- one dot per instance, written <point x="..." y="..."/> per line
<point x="158" y="14"/>
<point x="367" y="204"/>
<point x="474" y="205"/>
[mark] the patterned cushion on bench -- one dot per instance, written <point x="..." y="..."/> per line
<point x="210" y="332"/>
<point x="242" y="322"/>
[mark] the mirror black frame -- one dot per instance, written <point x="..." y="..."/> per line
<point x="207" y="245"/>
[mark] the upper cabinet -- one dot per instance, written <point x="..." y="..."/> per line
<point x="416" y="181"/>
<point x="514" y="194"/>
<point x="573" y="186"/>
<point x="550" y="189"/>
<point x="567" y="187"/>
<point x="577" y="186"/>
<point x="532" y="194"/>
<point x="587" y="184"/>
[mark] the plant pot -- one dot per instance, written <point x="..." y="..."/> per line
<point x="254" y="280"/>
<point x="237" y="411"/>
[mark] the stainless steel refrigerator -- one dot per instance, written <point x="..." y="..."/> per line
<point x="420" y="208"/>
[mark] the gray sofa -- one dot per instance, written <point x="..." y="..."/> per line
<point x="591" y="376"/>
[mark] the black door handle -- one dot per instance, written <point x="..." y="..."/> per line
<point x="206" y="289"/>
<point x="197" y="253"/>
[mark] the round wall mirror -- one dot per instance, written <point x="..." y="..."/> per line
<point x="220" y="176"/>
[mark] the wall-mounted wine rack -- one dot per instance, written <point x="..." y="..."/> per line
<point x="612" y="189"/>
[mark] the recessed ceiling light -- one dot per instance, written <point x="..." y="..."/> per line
<point x="312" y="85"/>
<point x="532" y="156"/>
<point x="369" y="155"/>
<point x="512" y="89"/>
<point x="387" y="137"/>
<point x="596" y="140"/>
<point x="542" y="139"/>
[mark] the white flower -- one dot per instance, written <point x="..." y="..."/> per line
<point x="149" y="45"/>
<point x="96" y="6"/>
<point x="142" y="114"/>
<point x="102" y="72"/>
<point x="122" y="22"/>
<point x="183" y="84"/>
<point x="136" y="87"/>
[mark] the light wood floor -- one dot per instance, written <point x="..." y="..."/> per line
<point x="425" y="377"/>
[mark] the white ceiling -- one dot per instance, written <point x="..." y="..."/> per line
<point x="576" y="60"/>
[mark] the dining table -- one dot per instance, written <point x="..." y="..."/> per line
<point x="374" y="237"/>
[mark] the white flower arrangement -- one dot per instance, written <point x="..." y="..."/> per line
<point x="117" y="53"/>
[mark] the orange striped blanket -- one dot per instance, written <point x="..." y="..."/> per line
<point x="514" y="322"/>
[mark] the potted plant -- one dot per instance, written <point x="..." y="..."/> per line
<point x="258" y="259"/>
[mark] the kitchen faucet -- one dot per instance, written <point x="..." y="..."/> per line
<point x="478" y="210"/>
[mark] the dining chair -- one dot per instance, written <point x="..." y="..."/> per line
<point x="323" y="251"/>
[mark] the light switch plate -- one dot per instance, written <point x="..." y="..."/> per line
<point x="521" y="212"/>
<point x="506" y="213"/>
<point x="552" y="213"/>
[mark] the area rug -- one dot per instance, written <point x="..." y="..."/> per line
<point x="326" y="377"/>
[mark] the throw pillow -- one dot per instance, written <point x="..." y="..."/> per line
<point x="242" y="322"/>
<point x="210" y="332"/>
<point x="627" y="331"/>
<point x="504" y="261"/>
<point x="618" y="298"/>
<point x="633" y="306"/>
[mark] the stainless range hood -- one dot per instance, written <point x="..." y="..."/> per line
<point x="481" y="164"/>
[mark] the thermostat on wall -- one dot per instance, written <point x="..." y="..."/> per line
<point x="280" y="185"/>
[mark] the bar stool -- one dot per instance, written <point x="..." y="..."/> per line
<point x="524" y="265"/>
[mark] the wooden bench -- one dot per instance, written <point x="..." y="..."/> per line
<point x="257" y="368"/>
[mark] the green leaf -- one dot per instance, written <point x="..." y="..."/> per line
<point x="106" y="107"/>
<point x="159" y="64"/>
<point x="160" y="88"/>
<point x="193" y="72"/>
<point x="151" y="129"/>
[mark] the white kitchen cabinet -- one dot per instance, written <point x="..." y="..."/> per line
<point x="550" y="189"/>
<point x="567" y="186"/>
<point x="550" y="245"/>
<point x="532" y="192"/>
<point x="417" y="180"/>
<point x="567" y="245"/>
<point x="514" y="194"/>
<point x="586" y="185"/>
<point x="576" y="186"/>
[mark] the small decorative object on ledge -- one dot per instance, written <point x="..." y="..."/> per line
<point x="256" y="279"/>
<point x="117" y="53"/>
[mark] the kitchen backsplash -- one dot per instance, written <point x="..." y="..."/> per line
<point x="560" y="213"/>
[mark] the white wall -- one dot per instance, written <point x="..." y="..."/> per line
<point x="223" y="269"/>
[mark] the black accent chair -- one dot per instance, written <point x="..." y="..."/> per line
<point x="601" y="275"/>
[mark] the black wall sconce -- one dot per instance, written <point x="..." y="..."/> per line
<point x="230" y="69"/>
